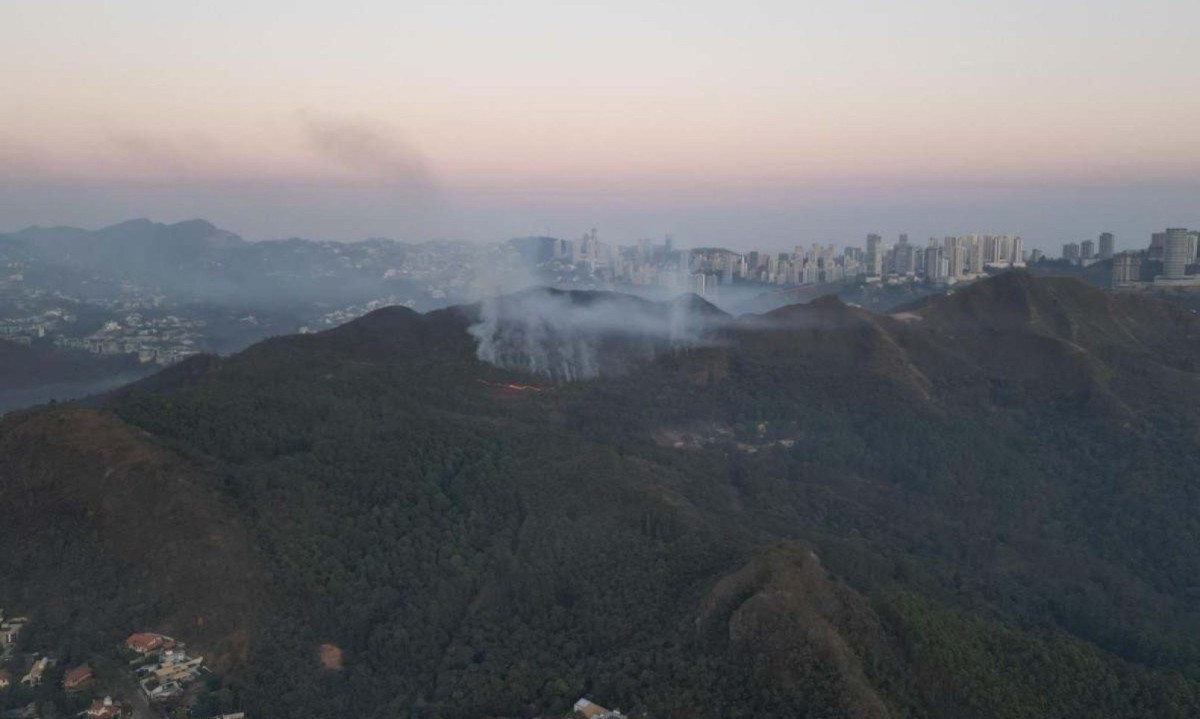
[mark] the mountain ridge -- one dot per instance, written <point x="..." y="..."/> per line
<point x="1000" y="508"/>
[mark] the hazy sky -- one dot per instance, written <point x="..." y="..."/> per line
<point x="741" y="123"/>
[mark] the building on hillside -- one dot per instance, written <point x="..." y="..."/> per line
<point x="148" y="643"/>
<point x="874" y="256"/>
<point x="106" y="708"/>
<point x="1175" y="258"/>
<point x="178" y="669"/>
<point x="1158" y="243"/>
<point x="165" y="691"/>
<point x="1107" y="244"/>
<point x="703" y="285"/>
<point x="78" y="678"/>
<point x="590" y="710"/>
<point x="36" y="672"/>
<point x="10" y="629"/>
<point x="1126" y="269"/>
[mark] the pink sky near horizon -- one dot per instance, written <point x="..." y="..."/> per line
<point x="650" y="102"/>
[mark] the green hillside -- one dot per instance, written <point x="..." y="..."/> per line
<point x="981" y="506"/>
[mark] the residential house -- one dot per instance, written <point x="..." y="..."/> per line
<point x="78" y="678"/>
<point x="166" y="691"/>
<point x="178" y="668"/>
<point x="10" y="628"/>
<point x="34" y="677"/>
<point x="148" y="643"/>
<point x="106" y="708"/>
<point x="591" y="710"/>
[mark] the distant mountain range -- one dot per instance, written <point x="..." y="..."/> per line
<point x="980" y="505"/>
<point x="157" y="291"/>
<point x="160" y="291"/>
<point x="195" y="261"/>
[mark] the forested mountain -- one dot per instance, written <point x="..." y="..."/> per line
<point x="983" y="505"/>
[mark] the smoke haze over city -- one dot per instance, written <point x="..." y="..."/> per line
<point x="764" y="124"/>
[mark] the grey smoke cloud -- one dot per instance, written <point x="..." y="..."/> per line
<point x="367" y="150"/>
<point x="570" y="336"/>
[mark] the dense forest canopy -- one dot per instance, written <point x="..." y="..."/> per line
<point x="983" y="505"/>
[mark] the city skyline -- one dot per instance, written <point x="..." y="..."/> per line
<point x="466" y="122"/>
<point x="741" y="244"/>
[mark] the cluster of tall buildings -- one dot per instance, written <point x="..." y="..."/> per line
<point x="644" y="264"/>
<point x="950" y="259"/>
<point x="1165" y="262"/>
<point x="1090" y="251"/>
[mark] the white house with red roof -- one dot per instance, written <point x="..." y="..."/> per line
<point x="106" y="708"/>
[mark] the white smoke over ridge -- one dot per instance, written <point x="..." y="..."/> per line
<point x="574" y="335"/>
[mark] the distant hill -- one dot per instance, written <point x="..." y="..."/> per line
<point x="195" y="262"/>
<point x="980" y="505"/>
<point x="129" y="247"/>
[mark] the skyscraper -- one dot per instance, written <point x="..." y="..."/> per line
<point x="1107" y="242"/>
<point x="1087" y="250"/>
<point x="1126" y="269"/>
<point x="874" y="256"/>
<point x="1158" y="241"/>
<point x="903" y="262"/>
<point x="953" y="247"/>
<point x="1175" y="253"/>
<point x="933" y="261"/>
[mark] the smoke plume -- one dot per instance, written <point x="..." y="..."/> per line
<point x="579" y="335"/>
<point x="366" y="151"/>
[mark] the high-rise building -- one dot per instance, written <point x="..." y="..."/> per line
<point x="953" y="253"/>
<point x="903" y="257"/>
<point x="1071" y="252"/>
<point x="1018" y="251"/>
<point x="1087" y="250"/>
<point x="1126" y="269"/>
<point x="933" y="261"/>
<point x="703" y="285"/>
<point x="1175" y="253"/>
<point x="1107" y="243"/>
<point x="874" y="256"/>
<point x="1158" y="242"/>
